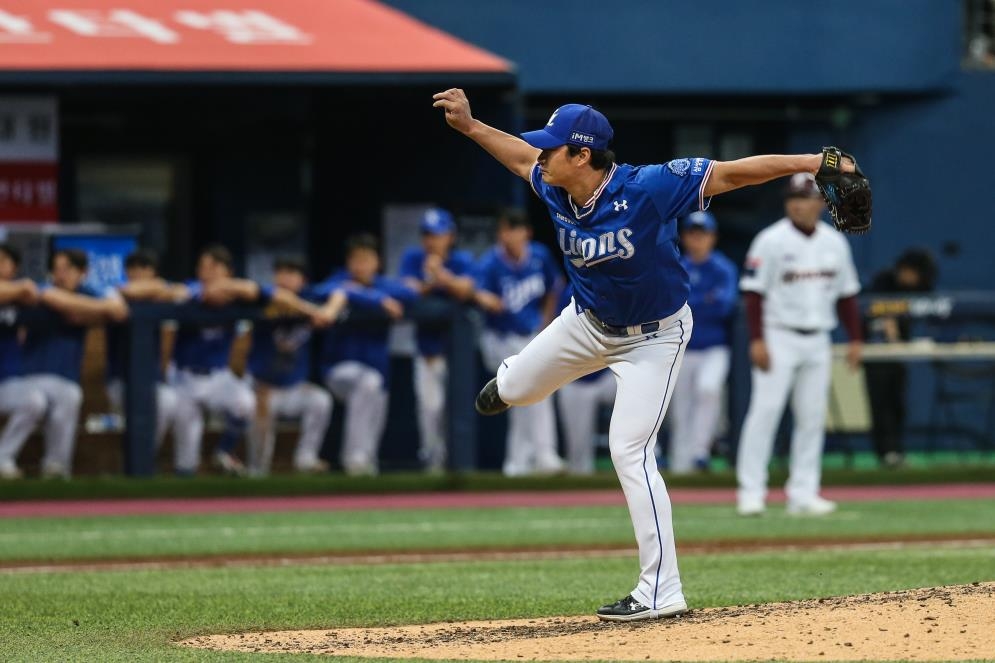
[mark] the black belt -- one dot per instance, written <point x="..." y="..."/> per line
<point x="803" y="332"/>
<point x="612" y="330"/>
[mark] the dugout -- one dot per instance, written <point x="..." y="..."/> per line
<point x="270" y="127"/>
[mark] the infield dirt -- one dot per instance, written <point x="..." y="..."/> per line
<point x="944" y="623"/>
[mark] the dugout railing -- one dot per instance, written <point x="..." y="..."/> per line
<point x="140" y="361"/>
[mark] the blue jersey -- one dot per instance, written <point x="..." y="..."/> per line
<point x="521" y="285"/>
<point x="566" y="294"/>
<point x="620" y="251"/>
<point x="281" y="349"/>
<point x="368" y="345"/>
<point x="460" y="263"/>
<point x="10" y="345"/>
<point x="202" y="349"/>
<point x="713" y="297"/>
<point x="58" y="350"/>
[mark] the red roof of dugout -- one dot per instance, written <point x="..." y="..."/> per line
<point x="294" y="36"/>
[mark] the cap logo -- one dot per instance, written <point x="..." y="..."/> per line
<point x="552" y="117"/>
<point x="582" y="138"/>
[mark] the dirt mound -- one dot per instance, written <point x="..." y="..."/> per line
<point x="944" y="623"/>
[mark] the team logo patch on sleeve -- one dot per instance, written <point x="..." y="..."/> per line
<point x="679" y="167"/>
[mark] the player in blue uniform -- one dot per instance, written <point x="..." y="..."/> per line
<point x="516" y="283"/>
<point x="579" y="403"/>
<point x="616" y="228"/>
<point x="202" y="377"/>
<point x="280" y="363"/>
<point x="53" y="355"/>
<point x="355" y="362"/>
<point x="143" y="284"/>
<point x="23" y="406"/>
<point x="435" y="269"/>
<point x="714" y="292"/>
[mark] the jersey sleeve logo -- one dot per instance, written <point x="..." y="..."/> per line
<point x="679" y="167"/>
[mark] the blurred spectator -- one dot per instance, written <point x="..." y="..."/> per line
<point x="713" y="297"/>
<point x="24" y="406"/>
<point x="143" y="284"/>
<point x="203" y="378"/>
<point x="914" y="271"/>
<point x="516" y="282"/>
<point x="53" y="355"/>
<point x="435" y="269"/>
<point x="579" y="403"/>
<point x="280" y="362"/>
<point x="355" y="362"/>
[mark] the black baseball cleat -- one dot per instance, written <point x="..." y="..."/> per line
<point x="631" y="610"/>
<point x="488" y="401"/>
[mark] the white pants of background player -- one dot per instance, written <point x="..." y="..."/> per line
<point x="430" y="391"/>
<point x="531" y="440"/>
<point x="578" y="404"/>
<point x="165" y="411"/>
<point x="697" y="406"/>
<point x="646" y="369"/>
<point x="307" y="402"/>
<point x="799" y="366"/>
<point x="25" y="407"/>
<point x="362" y="389"/>
<point x="62" y="399"/>
<point x="220" y="391"/>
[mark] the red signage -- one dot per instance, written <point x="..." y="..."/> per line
<point x="29" y="192"/>
<point x="228" y="35"/>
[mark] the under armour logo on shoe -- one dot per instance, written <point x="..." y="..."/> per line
<point x="619" y="206"/>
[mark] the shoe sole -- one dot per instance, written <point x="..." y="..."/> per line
<point x="665" y="613"/>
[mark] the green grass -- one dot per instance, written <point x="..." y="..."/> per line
<point x="134" y="615"/>
<point x="974" y="467"/>
<point x="405" y="530"/>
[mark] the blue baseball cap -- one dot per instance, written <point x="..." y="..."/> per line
<point x="702" y="220"/>
<point x="437" y="222"/>
<point x="573" y="124"/>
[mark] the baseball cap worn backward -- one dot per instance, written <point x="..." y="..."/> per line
<point x="437" y="221"/>
<point x="572" y="124"/>
<point x="802" y="185"/>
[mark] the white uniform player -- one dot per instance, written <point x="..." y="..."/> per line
<point x="516" y="285"/>
<point x="799" y="272"/>
<point x="615" y="226"/>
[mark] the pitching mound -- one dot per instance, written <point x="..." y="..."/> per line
<point x="945" y="623"/>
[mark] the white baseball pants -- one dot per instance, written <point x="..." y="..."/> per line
<point x="799" y="366"/>
<point x="25" y="408"/>
<point x="646" y="369"/>
<point x="63" y="399"/>
<point x="165" y="408"/>
<point x="307" y="402"/>
<point x="697" y="406"/>
<point x="220" y="391"/>
<point x="578" y="403"/>
<point x="430" y="391"/>
<point x="362" y="389"/>
<point x="531" y="441"/>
